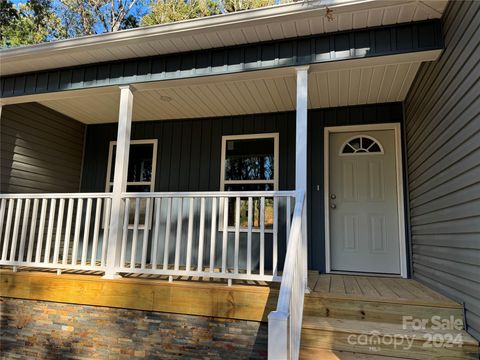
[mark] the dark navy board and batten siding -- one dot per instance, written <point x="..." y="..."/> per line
<point x="442" y="113"/>
<point x="352" y="44"/>
<point x="40" y="150"/>
<point x="189" y="153"/>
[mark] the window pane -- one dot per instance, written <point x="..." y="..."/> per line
<point x="255" y="206"/>
<point x="250" y="159"/>
<point x="139" y="162"/>
<point x="249" y="187"/>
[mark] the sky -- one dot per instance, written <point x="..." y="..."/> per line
<point x="138" y="7"/>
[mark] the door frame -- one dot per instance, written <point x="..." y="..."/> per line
<point x="396" y="127"/>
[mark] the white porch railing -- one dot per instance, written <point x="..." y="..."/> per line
<point x="57" y="231"/>
<point x="184" y="234"/>
<point x="285" y="324"/>
<point x="229" y="235"/>
<point x="173" y="234"/>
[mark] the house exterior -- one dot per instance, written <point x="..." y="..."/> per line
<point x="261" y="146"/>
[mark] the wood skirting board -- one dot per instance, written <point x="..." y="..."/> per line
<point x="214" y="299"/>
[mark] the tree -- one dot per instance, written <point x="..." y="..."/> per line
<point x="165" y="11"/>
<point x="239" y="5"/>
<point x="30" y="23"/>
<point x="87" y="17"/>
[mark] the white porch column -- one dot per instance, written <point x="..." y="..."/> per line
<point x="119" y="180"/>
<point x="302" y="151"/>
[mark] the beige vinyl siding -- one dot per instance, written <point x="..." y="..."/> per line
<point x="442" y="113"/>
<point x="41" y="150"/>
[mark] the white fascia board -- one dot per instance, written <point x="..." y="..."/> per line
<point x="275" y="13"/>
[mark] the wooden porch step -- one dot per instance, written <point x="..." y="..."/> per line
<point x="378" y="310"/>
<point x="385" y="339"/>
<point x="320" y="354"/>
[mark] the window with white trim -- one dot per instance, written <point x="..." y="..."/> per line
<point x="141" y="165"/>
<point x="363" y="144"/>
<point x="250" y="163"/>
<point x="142" y="162"/>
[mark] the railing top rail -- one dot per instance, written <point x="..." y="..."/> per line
<point x="56" y="196"/>
<point x="197" y="194"/>
<point x="284" y="296"/>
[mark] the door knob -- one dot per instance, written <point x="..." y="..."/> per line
<point x="333" y="196"/>
<point x="333" y="206"/>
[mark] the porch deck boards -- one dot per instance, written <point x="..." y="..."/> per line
<point x="376" y="288"/>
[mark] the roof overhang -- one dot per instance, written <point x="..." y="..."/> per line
<point x="419" y="38"/>
<point x="265" y="24"/>
<point x="334" y="84"/>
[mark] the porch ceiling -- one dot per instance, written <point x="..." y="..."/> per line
<point x="354" y="82"/>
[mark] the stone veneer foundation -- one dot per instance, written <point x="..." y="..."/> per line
<point x="47" y="330"/>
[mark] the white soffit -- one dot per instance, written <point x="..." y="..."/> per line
<point x="276" y="22"/>
<point x="355" y="82"/>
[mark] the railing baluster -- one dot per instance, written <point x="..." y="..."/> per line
<point x="2" y="215"/>
<point x="237" y="234"/>
<point x="168" y="220"/>
<point x="41" y="230"/>
<point x="249" y="235"/>
<point x="190" y="234"/>
<point x="6" y="238"/>
<point x="225" y="235"/>
<point x="262" y="235"/>
<point x="135" y="234"/>
<point x="179" y="233"/>
<point x="86" y="231"/>
<point x="58" y="231"/>
<point x="156" y="233"/>
<point x="126" y="219"/>
<point x="213" y="234"/>
<point x="201" y="235"/>
<point x="18" y="214"/>
<point x="33" y="228"/>
<point x="68" y="230"/>
<point x="76" y="236"/>
<point x="145" y="234"/>
<point x="51" y="222"/>
<point x="26" y="213"/>
<point x="275" y="236"/>
<point x="106" y="230"/>
<point x="96" y="231"/>
<point x="288" y="215"/>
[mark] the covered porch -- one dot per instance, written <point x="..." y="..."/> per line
<point x="174" y="225"/>
<point x="206" y="177"/>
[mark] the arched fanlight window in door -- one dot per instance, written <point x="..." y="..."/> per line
<point x="362" y="144"/>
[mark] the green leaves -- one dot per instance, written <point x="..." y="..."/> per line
<point x="37" y="21"/>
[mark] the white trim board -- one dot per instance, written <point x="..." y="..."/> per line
<point x="109" y="183"/>
<point x="276" y="162"/>
<point x="399" y="176"/>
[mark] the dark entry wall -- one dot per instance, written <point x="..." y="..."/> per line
<point x="318" y="120"/>
<point x="189" y="153"/>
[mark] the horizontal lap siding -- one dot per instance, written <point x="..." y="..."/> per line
<point x="41" y="150"/>
<point x="443" y="144"/>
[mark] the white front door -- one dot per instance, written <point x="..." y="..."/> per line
<point x="363" y="202"/>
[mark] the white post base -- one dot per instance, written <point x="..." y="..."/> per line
<point x="278" y="336"/>
<point x="113" y="276"/>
